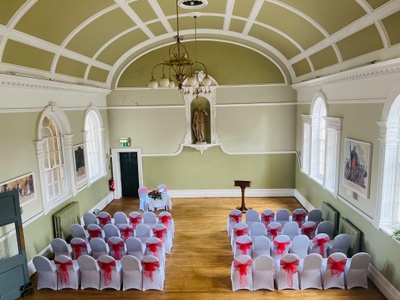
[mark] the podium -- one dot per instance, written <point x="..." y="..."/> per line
<point x="243" y="185"/>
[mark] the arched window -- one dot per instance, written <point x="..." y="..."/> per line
<point x="94" y="142"/>
<point x="321" y="145"/>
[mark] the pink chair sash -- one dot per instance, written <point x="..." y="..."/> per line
<point x="274" y="231"/>
<point x="93" y="233"/>
<point x="165" y="220"/>
<point x="149" y="268"/>
<point x="126" y="232"/>
<point x="308" y="230"/>
<point x="266" y="219"/>
<point x="106" y="267"/>
<point x="337" y="267"/>
<point x="321" y="244"/>
<point x="244" y="247"/>
<point x="281" y="246"/>
<point x="153" y="248"/>
<point x="291" y="268"/>
<point x="240" y="232"/>
<point x="117" y="248"/>
<point x="299" y="217"/>
<point x="104" y="220"/>
<point x="160" y="233"/>
<point x="243" y="271"/>
<point x="78" y="249"/>
<point x="63" y="273"/>
<point x="235" y="217"/>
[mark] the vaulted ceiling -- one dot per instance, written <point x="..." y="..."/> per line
<point x="107" y="43"/>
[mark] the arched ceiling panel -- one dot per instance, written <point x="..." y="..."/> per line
<point x="97" y="74"/>
<point x="243" y="8"/>
<point x="236" y="25"/>
<point x="392" y="26"/>
<point x="303" y="32"/>
<point x="302" y="67"/>
<point x="204" y="21"/>
<point x="157" y="28"/>
<point x="226" y="63"/>
<point x="324" y="58"/>
<point x="53" y="21"/>
<point x="24" y="55"/>
<point x="146" y="11"/>
<point x="282" y="44"/>
<point x="8" y="9"/>
<point x="376" y="3"/>
<point x="360" y="43"/>
<point x="98" y="32"/>
<point x="70" y="67"/>
<point x="117" y="48"/>
<point x="331" y="15"/>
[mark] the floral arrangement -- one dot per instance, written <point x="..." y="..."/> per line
<point x="396" y="233"/>
<point x="155" y="194"/>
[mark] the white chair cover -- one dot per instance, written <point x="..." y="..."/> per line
<point x="120" y="218"/>
<point x="319" y="244"/>
<point x="90" y="218"/>
<point x="153" y="273"/>
<point x="143" y="233"/>
<point x="47" y="272"/>
<point x="261" y="246"/>
<point x="134" y="247"/>
<point x="308" y="228"/>
<point x="280" y="246"/>
<point x="135" y="218"/>
<point x="68" y="272"/>
<point x="60" y="247"/>
<point x="238" y="230"/>
<point x="273" y="230"/>
<point x="257" y="229"/>
<point x="282" y="216"/>
<point x="110" y="272"/>
<point x="95" y="231"/>
<point x="104" y="218"/>
<point x="286" y="272"/>
<point x="300" y="245"/>
<point x="155" y="247"/>
<point x="314" y="215"/>
<point x="299" y="216"/>
<point x="150" y="219"/>
<point x="241" y="273"/>
<point x="143" y="198"/>
<point x="310" y="272"/>
<point x="325" y="227"/>
<point x="126" y="231"/>
<point x="99" y="247"/>
<point x="243" y="246"/>
<point x="166" y="198"/>
<point x="291" y="229"/>
<point x="356" y="270"/>
<point x="111" y="230"/>
<point x="252" y="217"/>
<point x="234" y="217"/>
<point x="80" y="247"/>
<point x="263" y="274"/>
<point x="341" y="243"/>
<point x="333" y="270"/>
<point x="90" y="274"/>
<point x="267" y="216"/>
<point x="160" y="231"/>
<point x="132" y="276"/>
<point x="167" y="220"/>
<point x="117" y="247"/>
<point x="78" y="231"/>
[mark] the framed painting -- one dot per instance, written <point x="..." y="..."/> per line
<point x="357" y="166"/>
<point x="80" y="166"/>
<point x="25" y="185"/>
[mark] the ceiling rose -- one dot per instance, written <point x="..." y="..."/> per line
<point x="192" y="4"/>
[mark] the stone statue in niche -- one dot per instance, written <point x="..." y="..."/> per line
<point x="199" y="117"/>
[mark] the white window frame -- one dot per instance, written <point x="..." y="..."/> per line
<point x="64" y="130"/>
<point x="94" y="145"/>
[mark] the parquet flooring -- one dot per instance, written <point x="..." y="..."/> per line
<point x="199" y="265"/>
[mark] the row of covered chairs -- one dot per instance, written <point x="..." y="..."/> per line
<point x="267" y="216"/>
<point x="292" y="272"/>
<point x="102" y="273"/>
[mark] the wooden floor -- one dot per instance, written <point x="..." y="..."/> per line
<point x="199" y="264"/>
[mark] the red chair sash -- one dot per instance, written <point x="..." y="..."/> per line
<point x="149" y="268"/>
<point x="93" y="233"/>
<point x="160" y="233"/>
<point x="135" y="220"/>
<point x="337" y="266"/>
<point x="240" y="232"/>
<point x="308" y="230"/>
<point x="274" y="231"/>
<point x="106" y="267"/>
<point x="126" y="232"/>
<point x="243" y="271"/>
<point x="291" y="268"/>
<point x="117" y="248"/>
<point x="104" y="220"/>
<point x="244" y="247"/>
<point x="321" y="244"/>
<point x="266" y="219"/>
<point x="165" y="220"/>
<point x="78" y="249"/>
<point x="63" y="273"/>
<point x="299" y="217"/>
<point x="281" y="246"/>
<point x="153" y="248"/>
<point x="235" y="217"/>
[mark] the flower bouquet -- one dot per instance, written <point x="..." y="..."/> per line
<point x="155" y="194"/>
<point x="396" y="233"/>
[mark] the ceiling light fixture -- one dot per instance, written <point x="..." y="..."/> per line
<point x="180" y="66"/>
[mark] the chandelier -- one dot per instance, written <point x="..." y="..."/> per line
<point x="180" y="66"/>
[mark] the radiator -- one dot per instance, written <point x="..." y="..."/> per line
<point x="64" y="218"/>
<point x="330" y="214"/>
<point x="345" y="226"/>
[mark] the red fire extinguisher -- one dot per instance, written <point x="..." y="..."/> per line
<point x="111" y="185"/>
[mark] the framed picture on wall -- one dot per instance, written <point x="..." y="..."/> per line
<point x="25" y="185"/>
<point x="80" y="166"/>
<point x="357" y="167"/>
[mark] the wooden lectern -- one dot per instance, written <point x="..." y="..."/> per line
<point x="243" y="184"/>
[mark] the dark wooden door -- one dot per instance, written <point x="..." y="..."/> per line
<point x="129" y="174"/>
<point x="14" y="275"/>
